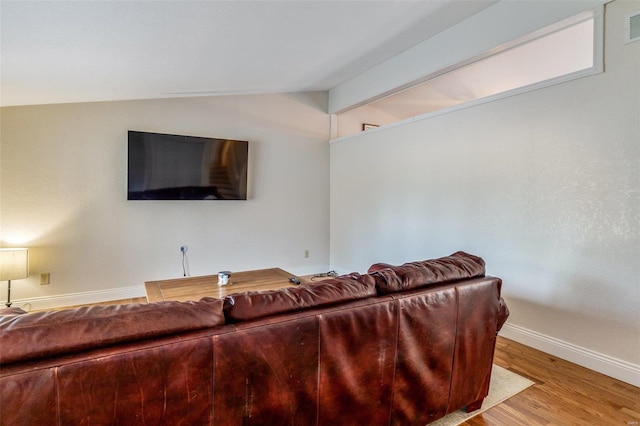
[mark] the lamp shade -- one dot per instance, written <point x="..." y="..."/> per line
<point x="14" y="263"/>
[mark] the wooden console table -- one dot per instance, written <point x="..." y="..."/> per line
<point x="195" y="288"/>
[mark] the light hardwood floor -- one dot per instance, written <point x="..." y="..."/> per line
<point x="564" y="394"/>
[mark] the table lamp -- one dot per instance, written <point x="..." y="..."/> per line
<point x="14" y="265"/>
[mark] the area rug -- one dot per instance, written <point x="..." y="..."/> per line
<point x="504" y="385"/>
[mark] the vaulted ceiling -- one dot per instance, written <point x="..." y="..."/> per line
<point x="59" y="52"/>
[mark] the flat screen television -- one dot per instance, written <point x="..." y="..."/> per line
<point x="173" y="167"/>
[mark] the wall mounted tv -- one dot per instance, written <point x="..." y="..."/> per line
<point x="173" y="167"/>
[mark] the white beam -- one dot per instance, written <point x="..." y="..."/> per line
<point x="487" y="30"/>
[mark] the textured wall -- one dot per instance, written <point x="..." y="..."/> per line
<point x="545" y="186"/>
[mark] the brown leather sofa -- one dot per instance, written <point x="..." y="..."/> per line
<point x="401" y="345"/>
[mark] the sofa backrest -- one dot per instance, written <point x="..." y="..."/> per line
<point x="260" y="304"/>
<point x="458" y="266"/>
<point x="46" y="334"/>
<point x="51" y="333"/>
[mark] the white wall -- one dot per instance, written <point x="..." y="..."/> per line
<point x="63" y="195"/>
<point x="544" y="186"/>
<point x="351" y="121"/>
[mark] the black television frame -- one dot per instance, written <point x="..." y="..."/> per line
<point x="222" y="162"/>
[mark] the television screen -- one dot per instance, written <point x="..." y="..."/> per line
<point x="172" y="167"/>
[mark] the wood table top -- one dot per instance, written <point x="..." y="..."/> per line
<point x="194" y="288"/>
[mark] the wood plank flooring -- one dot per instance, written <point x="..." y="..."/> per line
<point x="564" y="394"/>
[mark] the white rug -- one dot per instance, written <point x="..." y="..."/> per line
<point x="504" y="385"/>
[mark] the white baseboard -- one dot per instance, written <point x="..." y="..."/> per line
<point x="72" y="299"/>
<point x="607" y="365"/>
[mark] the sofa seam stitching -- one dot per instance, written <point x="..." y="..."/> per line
<point x="395" y="358"/>
<point x="455" y="346"/>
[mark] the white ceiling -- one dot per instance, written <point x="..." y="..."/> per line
<point x="59" y="52"/>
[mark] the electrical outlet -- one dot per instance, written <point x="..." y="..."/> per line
<point x="45" y="278"/>
<point x="306" y="254"/>
<point x="183" y="249"/>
